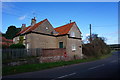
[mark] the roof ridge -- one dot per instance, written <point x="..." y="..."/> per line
<point x="30" y="27"/>
<point x="64" y="29"/>
<point x="26" y="30"/>
<point x="35" y="26"/>
<point x="65" y="25"/>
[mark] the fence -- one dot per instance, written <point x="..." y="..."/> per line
<point x="20" y="53"/>
<point x="36" y="52"/>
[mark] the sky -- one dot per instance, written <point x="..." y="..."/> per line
<point x="102" y="15"/>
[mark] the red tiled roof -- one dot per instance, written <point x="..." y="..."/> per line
<point x="4" y="39"/>
<point x="61" y="30"/>
<point x="30" y="28"/>
<point x="36" y="25"/>
<point x="23" y="30"/>
<point x="64" y="29"/>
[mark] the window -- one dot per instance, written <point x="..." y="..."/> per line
<point x="27" y="46"/>
<point x="24" y="44"/>
<point x="60" y="44"/>
<point x="72" y="34"/>
<point x="46" y="28"/>
<point x="13" y="39"/>
<point x="73" y="47"/>
<point x="24" y="37"/>
<point x="18" y="38"/>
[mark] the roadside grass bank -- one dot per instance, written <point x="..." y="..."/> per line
<point x="9" y="70"/>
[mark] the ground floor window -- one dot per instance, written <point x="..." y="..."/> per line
<point x="73" y="47"/>
<point x="27" y="46"/>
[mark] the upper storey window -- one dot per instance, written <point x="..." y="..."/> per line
<point x="72" y="34"/>
<point x="46" y="28"/>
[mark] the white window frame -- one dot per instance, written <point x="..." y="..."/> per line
<point x="28" y="45"/>
<point x="18" y="38"/>
<point x="13" y="39"/>
<point x="72" y="34"/>
<point x="73" y="47"/>
<point x="24" y="43"/>
<point x="46" y="28"/>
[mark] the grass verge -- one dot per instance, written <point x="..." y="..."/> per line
<point x="9" y="70"/>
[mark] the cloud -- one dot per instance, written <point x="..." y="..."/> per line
<point x="87" y="35"/>
<point x="22" y="17"/>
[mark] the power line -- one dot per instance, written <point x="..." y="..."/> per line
<point x="15" y="15"/>
<point x="106" y="25"/>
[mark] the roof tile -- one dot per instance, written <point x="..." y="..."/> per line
<point x="30" y="28"/>
<point x="61" y="30"/>
<point x="64" y="29"/>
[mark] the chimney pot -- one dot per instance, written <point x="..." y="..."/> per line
<point x="33" y="21"/>
<point x="23" y="26"/>
<point x="70" y="21"/>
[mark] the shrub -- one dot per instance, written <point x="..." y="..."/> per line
<point x="17" y="46"/>
<point x="4" y="46"/>
<point x="21" y="39"/>
<point x="96" y="48"/>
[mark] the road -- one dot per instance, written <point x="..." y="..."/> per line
<point x="105" y="68"/>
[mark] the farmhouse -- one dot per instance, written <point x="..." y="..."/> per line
<point x="43" y="35"/>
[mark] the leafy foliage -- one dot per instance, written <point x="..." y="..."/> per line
<point x="4" y="46"/>
<point x="11" y="32"/>
<point x="21" y="38"/>
<point x="17" y="46"/>
<point x="96" y="48"/>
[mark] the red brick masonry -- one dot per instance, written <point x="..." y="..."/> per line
<point x="53" y="55"/>
<point x="53" y="52"/>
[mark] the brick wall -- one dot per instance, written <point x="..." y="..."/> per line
<point x="53" y="55"/>
<point x="53" y="52"/>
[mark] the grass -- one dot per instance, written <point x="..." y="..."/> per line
<point x="9" y="70"/>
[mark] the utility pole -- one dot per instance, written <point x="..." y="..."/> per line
<point x="90" y="34"/>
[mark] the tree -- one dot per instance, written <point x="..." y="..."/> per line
<point x="93" y="36"/>
<point x="97" y="47"/>
<point x="11" y="32"/>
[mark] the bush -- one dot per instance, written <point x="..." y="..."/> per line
<point x="4" y="46"/>
<point x="96" y="48"/>
<point x="17" y="46"/>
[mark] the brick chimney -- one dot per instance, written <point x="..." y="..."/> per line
<point x="23" y="26"/>
<point x="33" y="21"/>
<point x="70" y="21"/>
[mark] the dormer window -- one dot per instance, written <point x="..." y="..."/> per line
<point x="72" y="34"/>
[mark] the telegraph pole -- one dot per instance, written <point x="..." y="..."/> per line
<point x="90" y="34"/>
